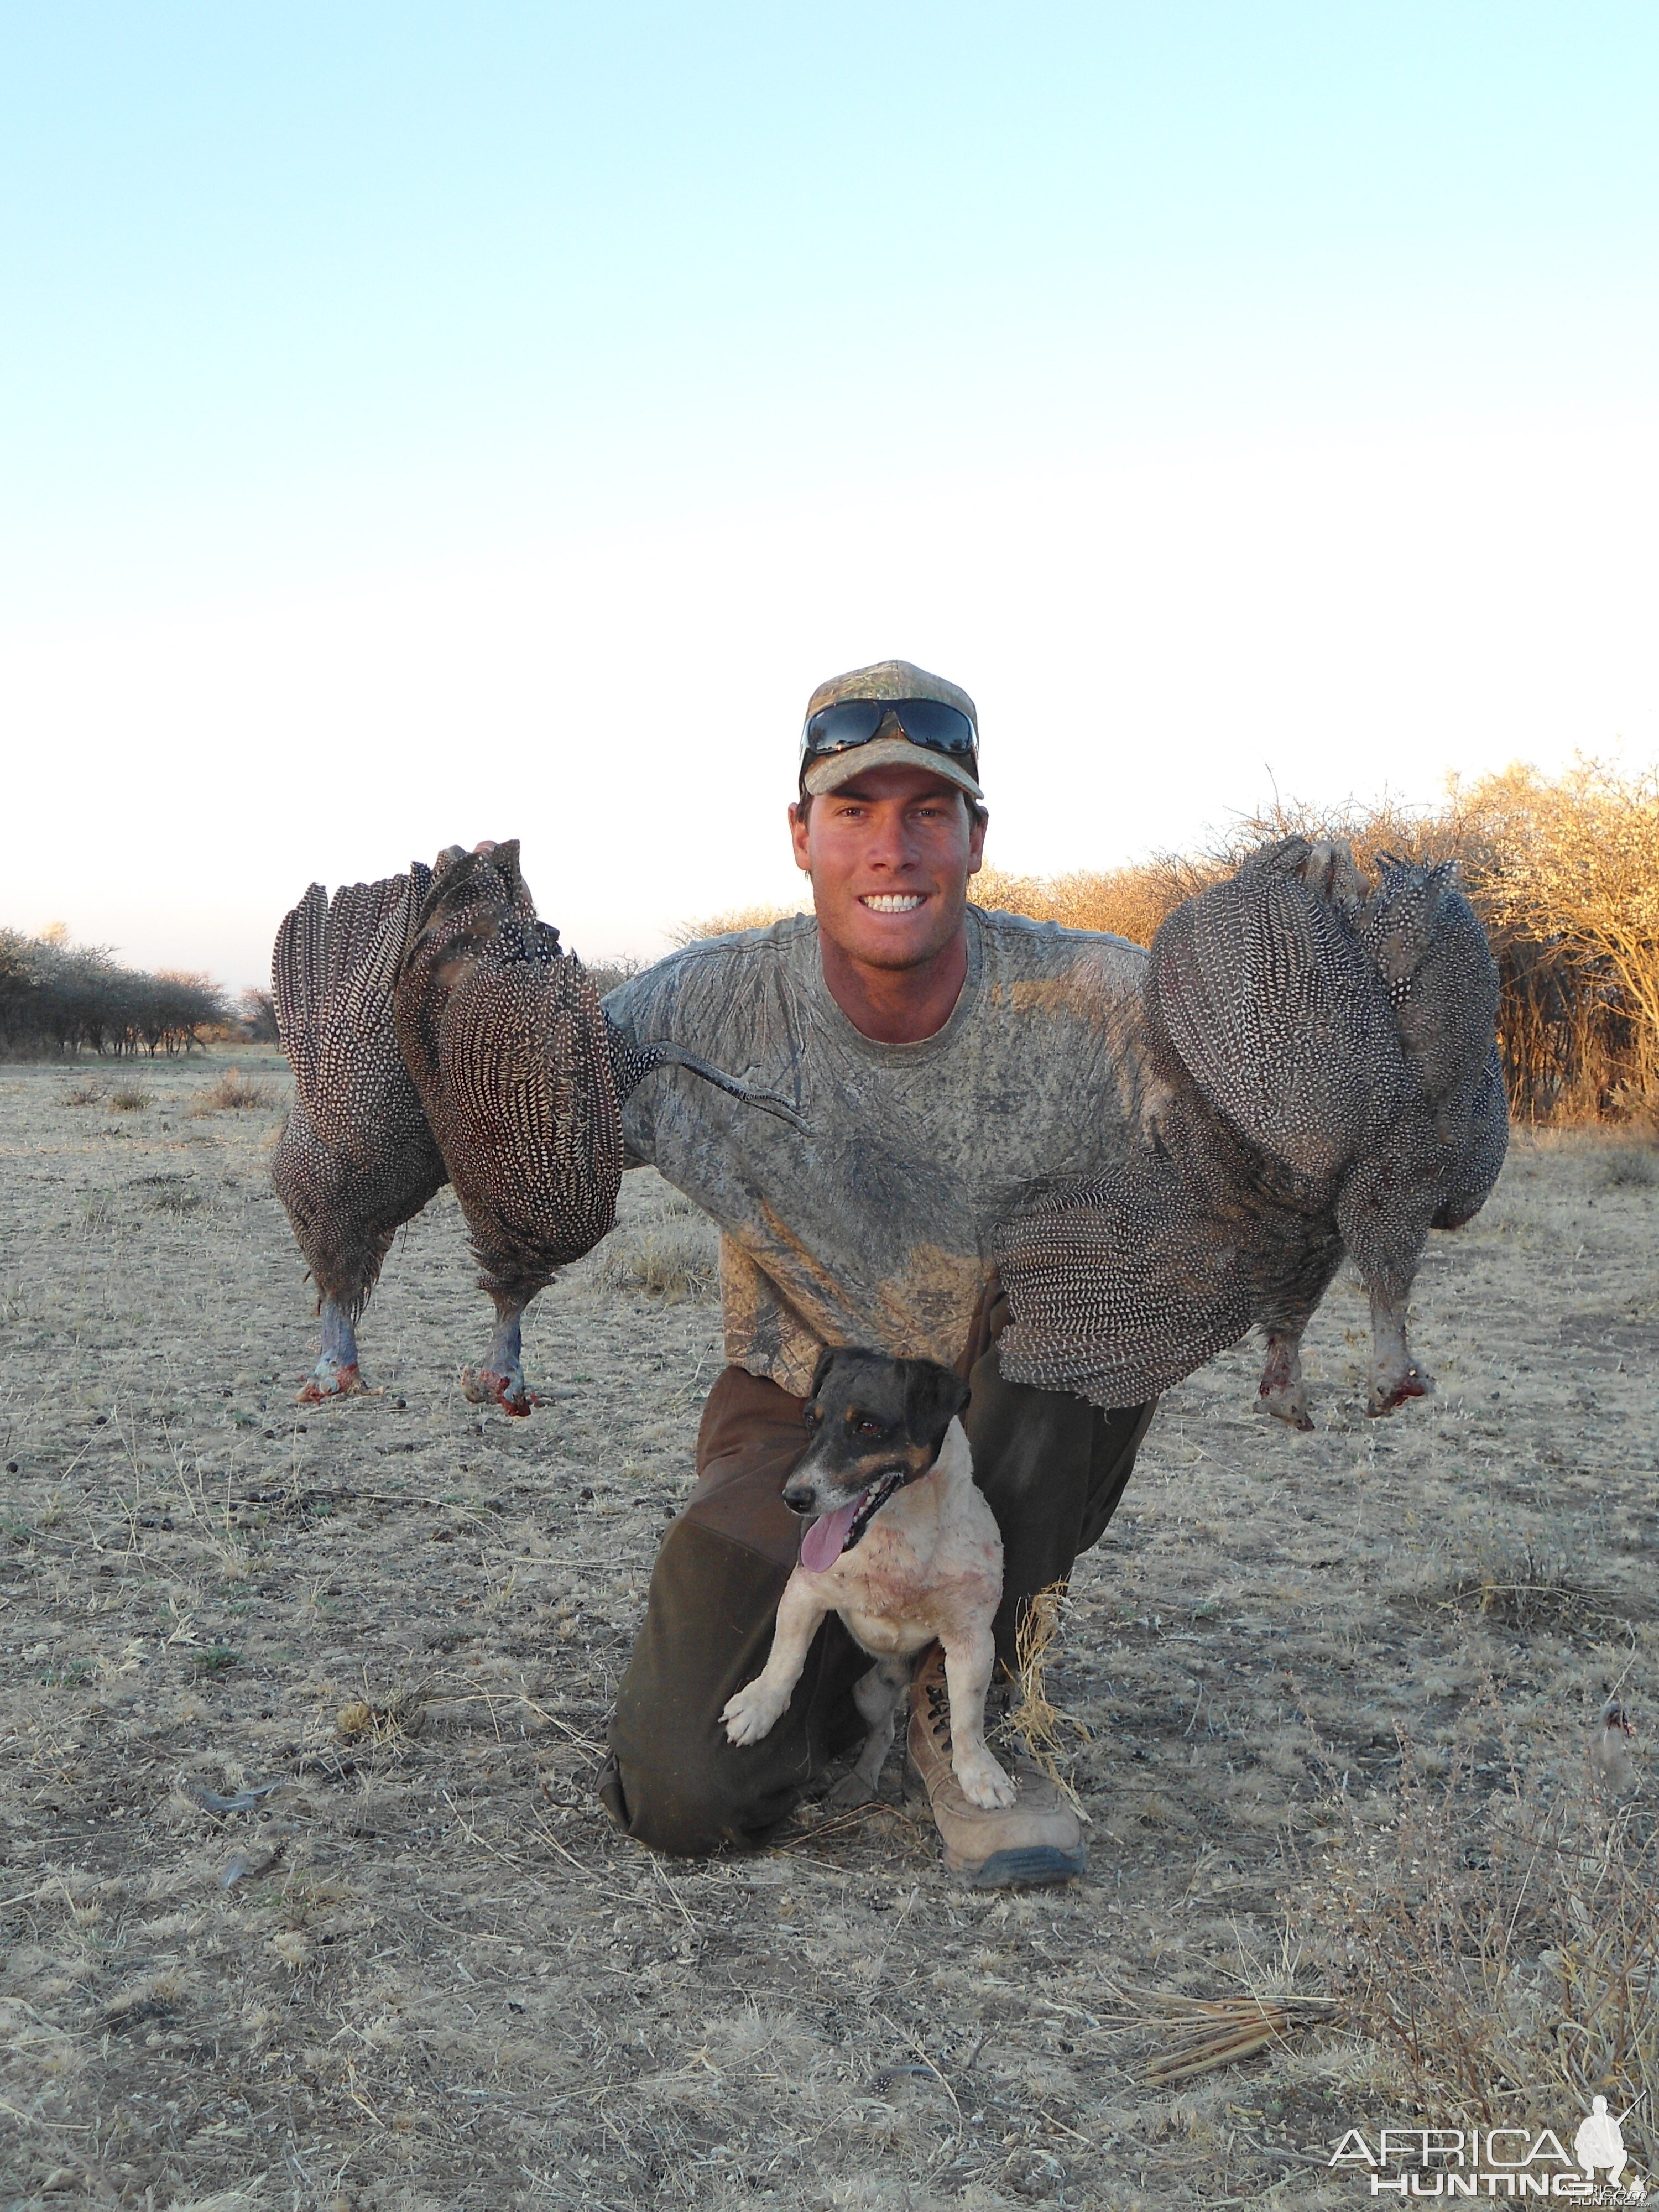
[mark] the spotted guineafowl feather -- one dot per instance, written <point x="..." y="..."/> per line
<point x="502" y="1033"/>
<point x="1325" y="1077"/>
<point x="356" y="1158"/>
<point x="1426" y="942"/>
<point x="1481" y="1162"/>
<point x="1134" y="1250"/>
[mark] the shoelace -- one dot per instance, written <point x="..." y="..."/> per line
<point x="938" y="1714"/>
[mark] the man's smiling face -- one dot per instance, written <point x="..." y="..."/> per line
<point x="890" y="853"/>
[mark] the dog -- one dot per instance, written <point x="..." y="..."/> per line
<point x="902" y="1545"/>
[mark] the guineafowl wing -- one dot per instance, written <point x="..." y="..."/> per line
<point x="503" y="1034"/>
<point x="1481" y="1161"/>
<point x="1119" y="1287"/>
<point x="1400" y="920"/>
<point x="331" y="969"/>
<point x="1256" y="985"/>
<point x="529" y="1106"/>
<point x="1427" y="944"/>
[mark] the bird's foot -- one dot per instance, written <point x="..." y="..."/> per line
<point x="1289" y="1407"/>
<point x="1393" y="1389"/>
<point x="330" y="1380"/>
<point x="487" y="1386"/>
<point x="1282" y="1391"/>
<point x="1396" y="1375"/>
<point x="335" y="1375"/>
<point x="500" y="1380"/>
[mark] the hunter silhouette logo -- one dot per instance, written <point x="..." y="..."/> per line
<point x="1454" y="2162"/>
<point x="1600" y="2143"/>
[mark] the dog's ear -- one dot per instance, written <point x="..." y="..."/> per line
<point x="826" y="1360"/>
<point x="934" y="1397"/>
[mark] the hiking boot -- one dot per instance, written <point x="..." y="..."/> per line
<point x="1036" y="1840"/>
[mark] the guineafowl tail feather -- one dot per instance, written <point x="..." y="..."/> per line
<point x="329" y="951"/>
<point x="356" y="1158"/>
<point x="298" y="966"/>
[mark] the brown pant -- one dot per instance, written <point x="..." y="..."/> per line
<point x="1052" y="1468"/>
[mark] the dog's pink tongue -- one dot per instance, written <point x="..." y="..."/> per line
<point x="823" y="1542"/>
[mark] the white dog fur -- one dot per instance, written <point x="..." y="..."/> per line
<point x="928" y="1566"/>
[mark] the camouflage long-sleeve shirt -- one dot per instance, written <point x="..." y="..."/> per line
<point x="875" y="1226"/>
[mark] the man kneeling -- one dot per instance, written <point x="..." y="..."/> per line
<point x="945" y="1061"/>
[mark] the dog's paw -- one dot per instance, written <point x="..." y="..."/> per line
<point x="984" y="1783"/>
<point x="753" y="1713"/>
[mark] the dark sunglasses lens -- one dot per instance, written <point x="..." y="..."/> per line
<point x="931" y="722"/>
<point x="852" y="723"/>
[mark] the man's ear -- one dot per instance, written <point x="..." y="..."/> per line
<point x="825" y="1359"/>
<point x="800" y="838"/>
<point x="934" y="1397"/>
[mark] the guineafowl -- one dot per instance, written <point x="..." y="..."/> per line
<point x="357" y="1159"/>
<point x="1323" y="1078"/>
<point x="521" y="1075"/>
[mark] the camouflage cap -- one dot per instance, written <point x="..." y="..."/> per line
<point x="889" y="747"/>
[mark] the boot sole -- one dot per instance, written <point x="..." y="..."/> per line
<point x="1030" y="1866"/>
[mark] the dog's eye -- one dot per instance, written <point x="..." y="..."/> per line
<point x="813" y="1417"/>
<point x="867" y="1428"/>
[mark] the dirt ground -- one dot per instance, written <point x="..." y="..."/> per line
<point x="422" y="1971"/>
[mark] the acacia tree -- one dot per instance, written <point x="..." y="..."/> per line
<point x="57" y="998"/>
<point x="257" y="1010"/>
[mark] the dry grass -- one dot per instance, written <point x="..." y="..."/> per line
<point x="1197" y="2035"/>
<point x="1496" y="1934"/>
<point x="233" y="1092"/>
<point x="662" y="1249"/>
<point x="1047" y="1733"/>
<point x="1128" y="902"/>
<point x="130" y="1098"/>
<point x="1631" y="1167"/>
<point x="669" y="1263"/>
<point x="423" y="1974"/>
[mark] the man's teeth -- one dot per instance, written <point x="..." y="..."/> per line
<point x="891" y="902"/>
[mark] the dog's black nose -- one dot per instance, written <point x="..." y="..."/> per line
<point x="797" y="1499"/>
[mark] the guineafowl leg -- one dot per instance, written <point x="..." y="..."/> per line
<point x="1396" y="1375"/>
<point x="500" y="1380"/>
<point x="1383" y="1211"/>
<point x="335" y="1375"/>
<point x="1282" y="1391"/>
<point x="1299" y="1256"/>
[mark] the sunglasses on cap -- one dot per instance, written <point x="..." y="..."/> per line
<point x="850" y="722"/>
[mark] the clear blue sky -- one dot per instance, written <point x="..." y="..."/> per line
<point x="425" y="423"/>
